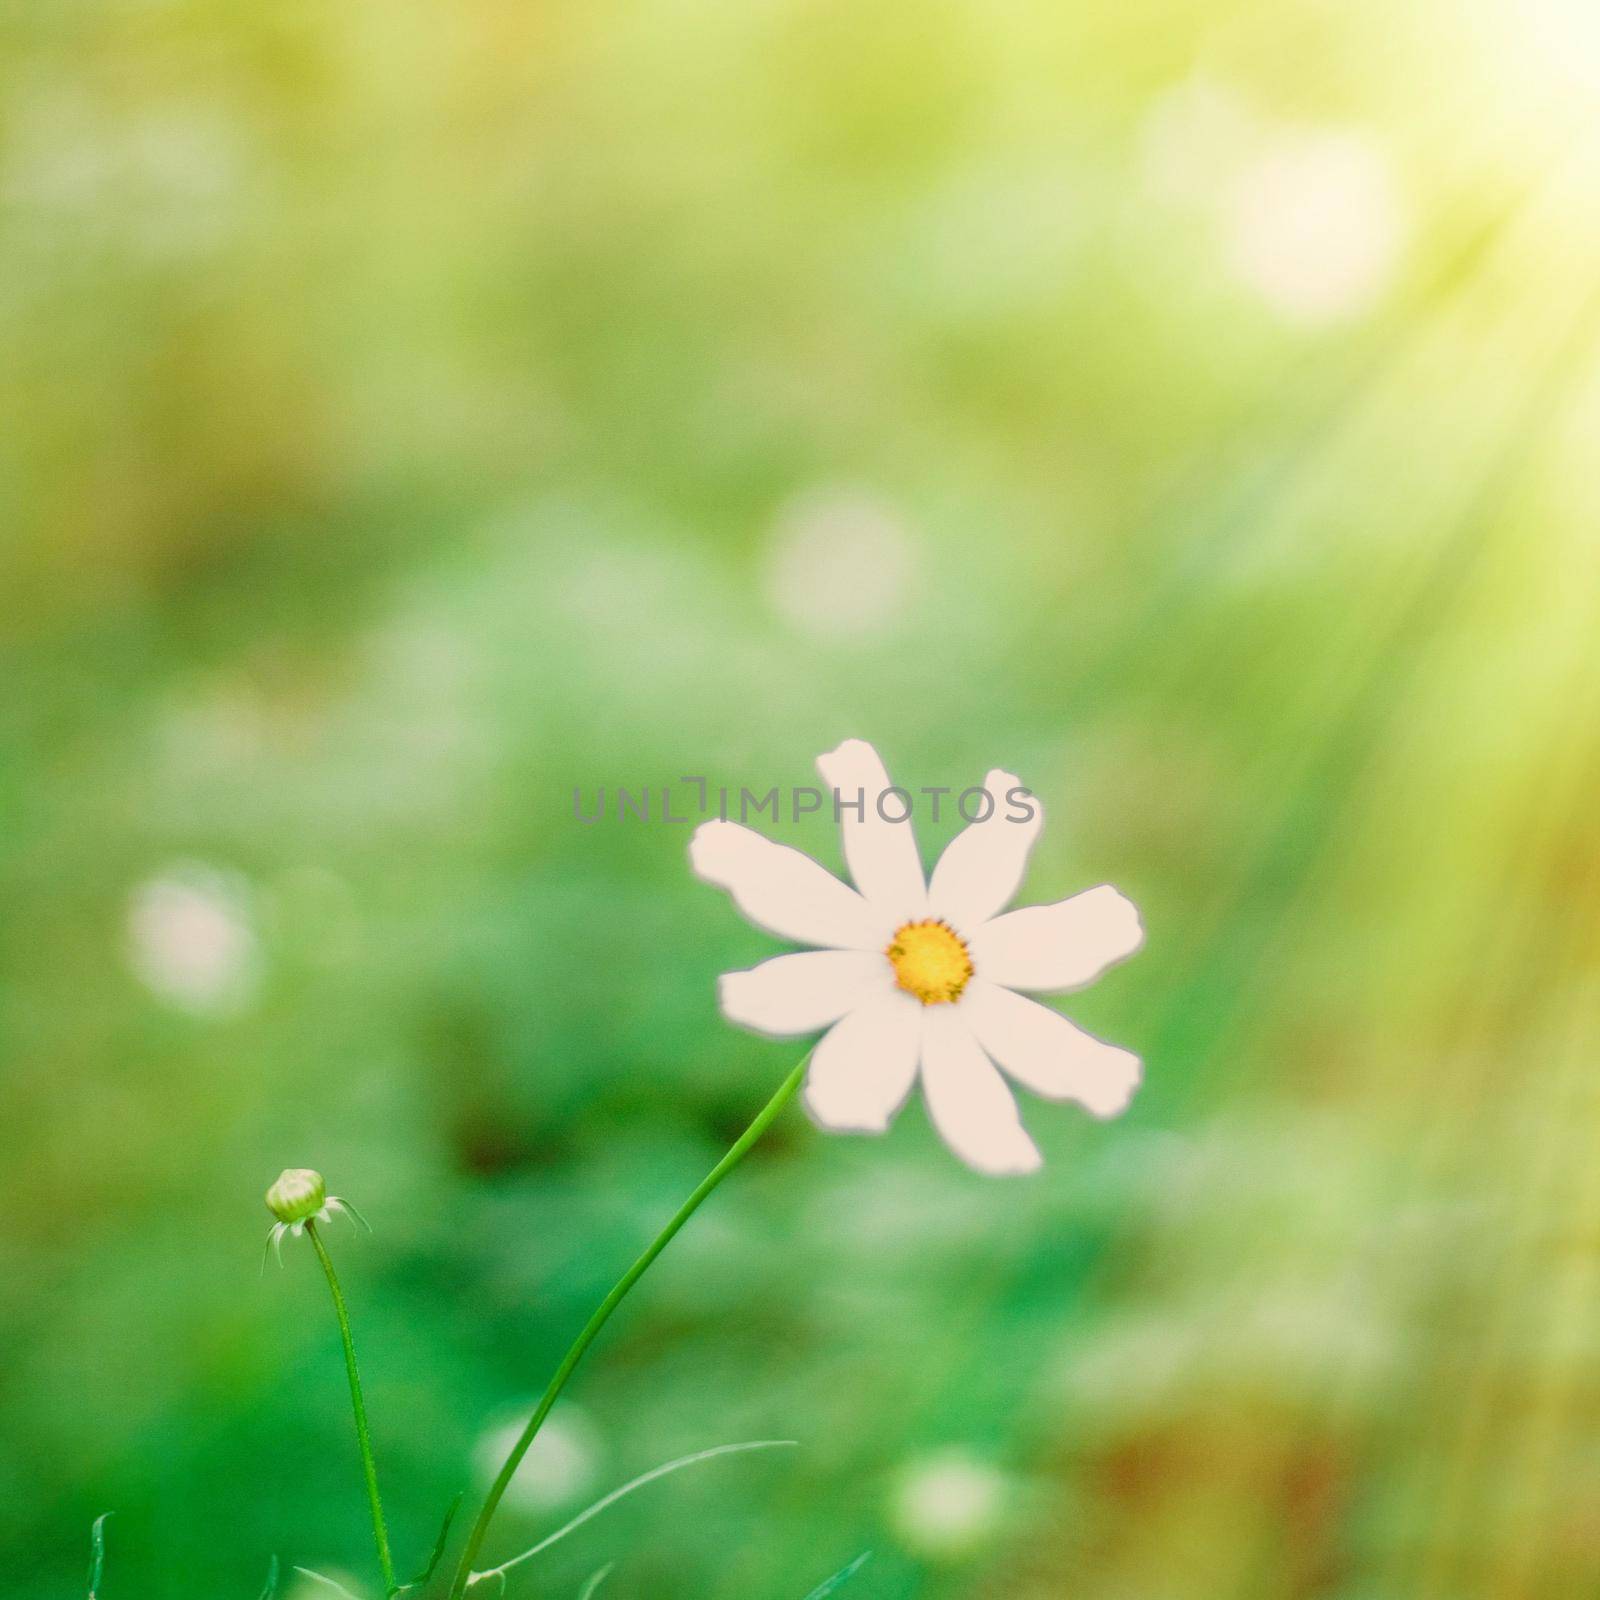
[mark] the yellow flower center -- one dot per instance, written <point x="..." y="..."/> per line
<point x="930" y="961"/>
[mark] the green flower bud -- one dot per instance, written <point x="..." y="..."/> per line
<point x="298" y="1194"/>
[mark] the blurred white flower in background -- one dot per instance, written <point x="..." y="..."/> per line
<point x="1313" y="224"/>
<point x="1194" y="139"/>
<point x="561" y="1464"/>
<point x="191" y="941"/>
<point x="999" y="237"/>
<point x="162" y="181"/>
<point x="839" y="565"/>
<point x="947" y="1505"/>
<point x="1310" y="218"/>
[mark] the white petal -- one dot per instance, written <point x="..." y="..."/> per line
<point x="1061" y="946"/>
<point x="1048" y="1054"/>
<point x="864" y="1068"/>
<point x="882" y="856"/>
<point x="968" y="1099"/>
<point x="982" y="867"/>
<point x="804" y="992"/>
<point x="782" y="889"/>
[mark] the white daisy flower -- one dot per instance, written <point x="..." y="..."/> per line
<point x="915" y="977"/>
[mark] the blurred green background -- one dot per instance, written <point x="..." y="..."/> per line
<point x="410" y="411"/>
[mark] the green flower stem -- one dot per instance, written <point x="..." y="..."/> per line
<point x="740" y="1148"/>
<point x="369" y="1469"/>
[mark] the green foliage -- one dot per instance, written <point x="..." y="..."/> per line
<point x="436" y="1554"/>
<point x="414" y="412"/>
<point x="840" y="1578"/>
<point x="97" y="1554"/>
<point x="606" y="1501"/>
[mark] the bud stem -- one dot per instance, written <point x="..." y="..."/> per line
<point x="358" y="1405"/>
<point x="764" y="1119"/>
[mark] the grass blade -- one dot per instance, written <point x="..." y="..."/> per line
<point x="595" y="1580"/>
<point x="616" y="1494"/>
<point x="272" y="1580"/>
<point x="97" y="1554"/>
<point x="840" y="1578"/>
<point x="438" y="1551"/>
<point x="331" y="1583"/>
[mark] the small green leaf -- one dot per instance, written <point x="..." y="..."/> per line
<point x="97" y="1554"/>
<point x="840" y="1578"/>
<point x="595" y="1580"/>
<point x="437" y="1556"/>
<point x="272" y="1580"/>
